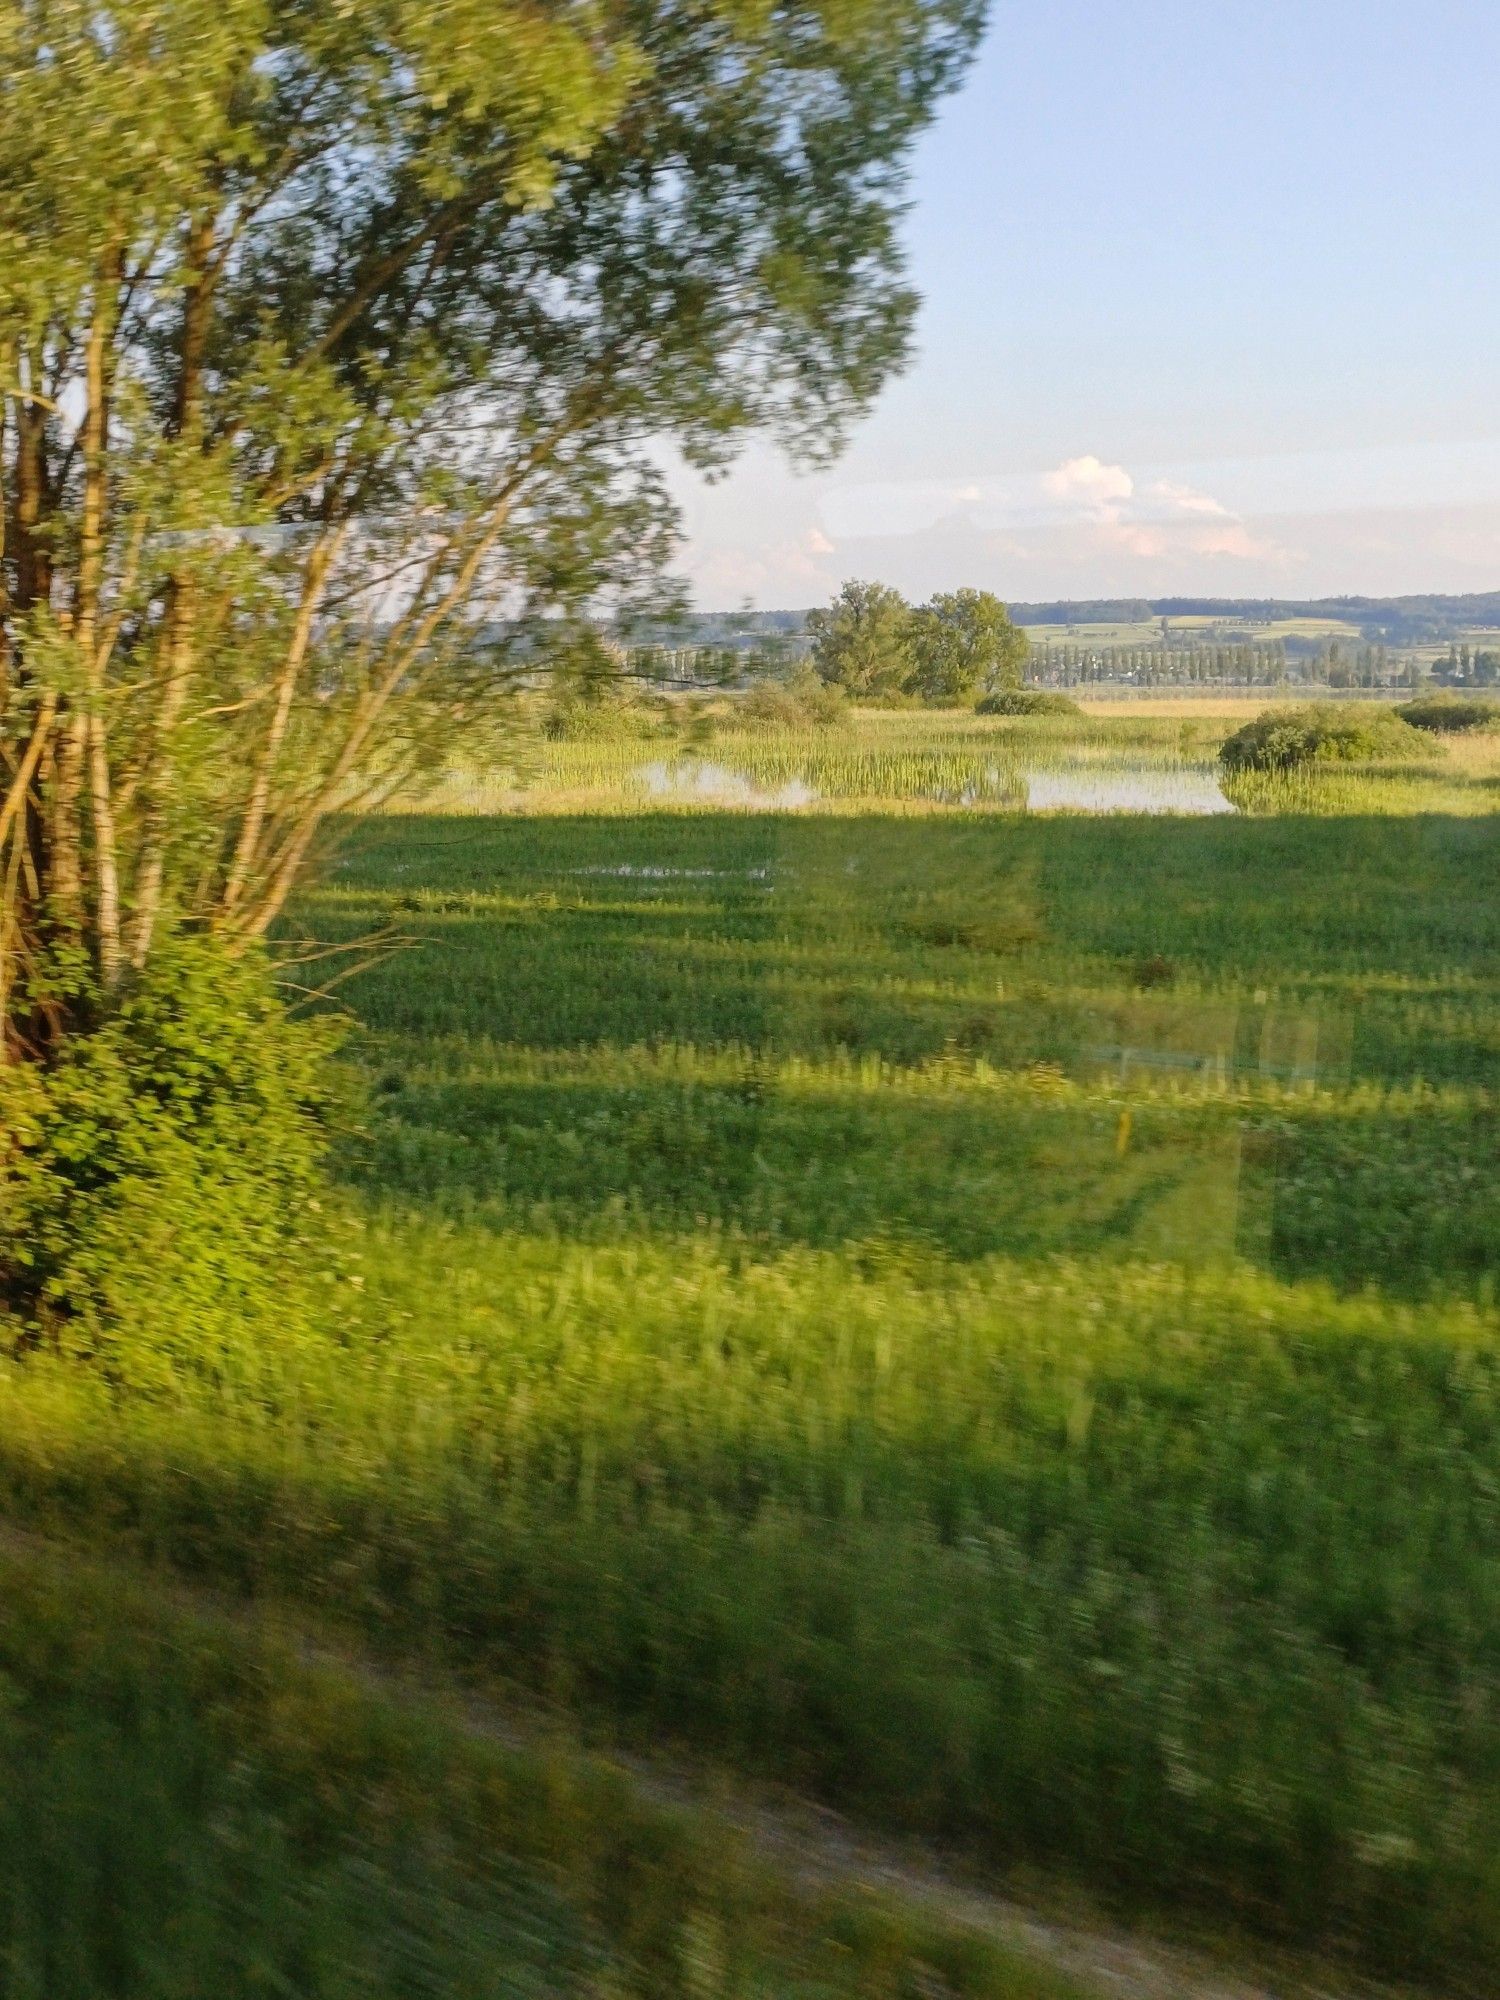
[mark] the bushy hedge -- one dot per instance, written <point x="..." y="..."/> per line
<point x="618" y="715"/>
<point x="1326" y="733"/>
<point x="1027" y="701"/>
<point x="1450" y="714"/>
<point x="162" y="1181"/>
<point x="803" y="697"/>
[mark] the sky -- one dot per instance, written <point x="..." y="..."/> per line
<point x="1211" y="306"/>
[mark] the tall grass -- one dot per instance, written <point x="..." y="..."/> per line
<point x="187" y="1808"/>
<point x="984" y="1315"/>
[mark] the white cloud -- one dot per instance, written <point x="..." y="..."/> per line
<point x="1222" y="538"/>
<point x="1110" y="527"/>
<point x="1088" y="482"/>
<point x="1085" y="488"/>
<point x="792" y="569"/>
<point x="1413" y="518"/>
<point x="1184" y="499"/>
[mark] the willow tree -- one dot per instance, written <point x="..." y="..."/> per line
<point x="861" y="642"/>
<point x="963" y="644"/>
<point x="339" y="343"/>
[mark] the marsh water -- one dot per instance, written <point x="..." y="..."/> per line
<point x="701" y="779"/>
<point x="1138" y="788"/>
<point x="1085" y="786"/>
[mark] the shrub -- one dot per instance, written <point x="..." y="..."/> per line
<point x="1282" y="738"/>
<point x="158" y="1179"/>
<point x="1027" y="701"/>
<point x="804" y="697"/>
<point x="612" y="717"/>
<point x="1450" y="714"/>
<point x="767" y="702"/>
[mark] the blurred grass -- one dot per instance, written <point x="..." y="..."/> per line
<point x="189" y="1808"/>
<point x="984" y="1316"/>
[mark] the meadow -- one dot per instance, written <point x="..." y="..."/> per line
<point x="1188" y="625"/>
<point x="983" y="1316"/>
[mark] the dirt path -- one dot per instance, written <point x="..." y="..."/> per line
<point x="821" y="1850"/>
<point x="811" y="1847"/>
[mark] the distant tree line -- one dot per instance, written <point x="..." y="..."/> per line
<point x="1399" y="621"/>
<point x="1246" y="663"/>
<point x="1077" y="664"/>
<point x="876" y="646"/>
<point x="1466" y="667"/>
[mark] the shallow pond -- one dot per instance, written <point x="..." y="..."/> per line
<point x="1129" y="789"/>
<point x="701" y="779"/>
<point x="1087" y="787"/>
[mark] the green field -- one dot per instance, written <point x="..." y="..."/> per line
<point x="1193" y="628"/>
<point x="984" y="1317"/>
<point x="1145" y="632"/>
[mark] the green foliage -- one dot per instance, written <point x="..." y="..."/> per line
<point x="1027" y="701"/>
<point x="862" y="642"/>
<point x="572" y="721"/>
<point x="1451" y="714"/>
<point x="596" y="703"/>
<point x="802" y="697"/>
<point x="962" y="641"/>
<point x="874" y="646"/>
<point x="1283" y="738"/>
<point x="161" y="1186"/>
<point x="313" y="311"/>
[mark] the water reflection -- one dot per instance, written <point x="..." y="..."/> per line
<point x="701" y="780"/>
<point x="1137" y="789"/>
<point x="1081" y="787"/>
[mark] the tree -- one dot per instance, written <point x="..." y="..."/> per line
<point x="862" y="641"/>
<point x="335" y="345"/>
<point x="963" y="644"/>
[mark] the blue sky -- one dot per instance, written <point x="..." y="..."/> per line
<point x="1211" y="304"/>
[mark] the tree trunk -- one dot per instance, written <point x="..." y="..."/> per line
<point x="181" y="619"/>
<point x="247" y="845"/>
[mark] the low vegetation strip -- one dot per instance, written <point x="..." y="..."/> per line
<point x="1452" y="714"/>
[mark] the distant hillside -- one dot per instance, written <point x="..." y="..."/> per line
<point x="1401" y="621"/>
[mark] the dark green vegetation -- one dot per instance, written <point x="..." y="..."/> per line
<point x="1451" y="714"/>
<point x="164" y="1173"/>
<point x="986" y="1317"/>
<point x="1027" y="701"/>
<point x="1325" y="733"/>
<point x="188" y="1809"/>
